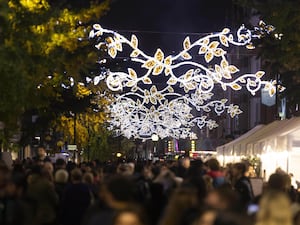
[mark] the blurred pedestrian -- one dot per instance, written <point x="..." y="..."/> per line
<point x="242" y="184"/>
<point x="181" y="200"/>
<point x="75" y="200"/>
<point x="274" y="209"/>
<point x="116" y="193"/>
<point x="61" y="178"/>
<point x="214" y="171"/>
<point x="131" y="215"/>
<point x="224" y="198"/>
<point x="41" y="192"/>
<point x="206" y="216"/>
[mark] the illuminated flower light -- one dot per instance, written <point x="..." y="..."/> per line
<point x="141" y="112"/>
<point x="168" y="118"/>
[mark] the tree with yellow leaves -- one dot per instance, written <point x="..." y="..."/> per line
<point x="44" y="59"/>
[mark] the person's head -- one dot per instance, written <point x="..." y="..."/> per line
<point x="126" y="169"/>
<point x="61" y="176"/>
<point x="41" y="152"/>
<point x="184" y="196"/>
<point x="118" y="191"/>
<point x="195" y="168"/>
<point x="279" y="182"/>
<point x="199" y="184"/>
<point x="251" y="172"/>
<point x="130" y="215"/>
<point x="60" y="164"/>
<point x="34" y="174"/>
<point x="47" y="171"/>
<point x="213" y="164"/>
<point x="88" y="178"/>
<point x="16" y="185"/>
<point x="239" y="169"/>
<point x="76" y="175"/>
<point x="181" y="200"/>
<point x="48" y="166"/>
<point x="185" y="162"/>
<point x="223" y="198"/>
<point x="147" y="172"/>
<point x="274" y="209"/>
<point x="207" y="216"/>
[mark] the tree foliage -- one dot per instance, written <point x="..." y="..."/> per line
<point x="281" y="54"/>
<point x="45" y="56"/>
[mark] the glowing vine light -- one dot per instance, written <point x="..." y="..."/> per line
<point x="168" y="112"/>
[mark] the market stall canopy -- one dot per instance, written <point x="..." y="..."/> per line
<point x="230" y="146"/>
<point x="276" y="144"/>
<point x="252" y="141"/>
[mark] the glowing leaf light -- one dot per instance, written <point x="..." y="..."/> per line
<point x="142" y="107"/>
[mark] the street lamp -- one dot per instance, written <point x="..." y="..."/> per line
<point x="154" y="138"/>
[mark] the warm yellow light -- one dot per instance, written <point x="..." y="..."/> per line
<point x="193" y="145"/>
<point x="142" y="108"/>
<point x="170" y="146"/>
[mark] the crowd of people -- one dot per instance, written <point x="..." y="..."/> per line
<point x="180" y="192"/>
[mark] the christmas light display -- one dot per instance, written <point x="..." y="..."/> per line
<point x="143" y="107"/>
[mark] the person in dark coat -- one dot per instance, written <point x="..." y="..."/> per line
<point x="61" y="178"/>
<point x="117" y="193"/>
<point x="75" y="200"/>
<point x="40" y="191"/>
<point x="242" y="184"/>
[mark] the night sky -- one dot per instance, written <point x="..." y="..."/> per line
<point x="165" y="23"/>
<point x="169" y="15"/>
